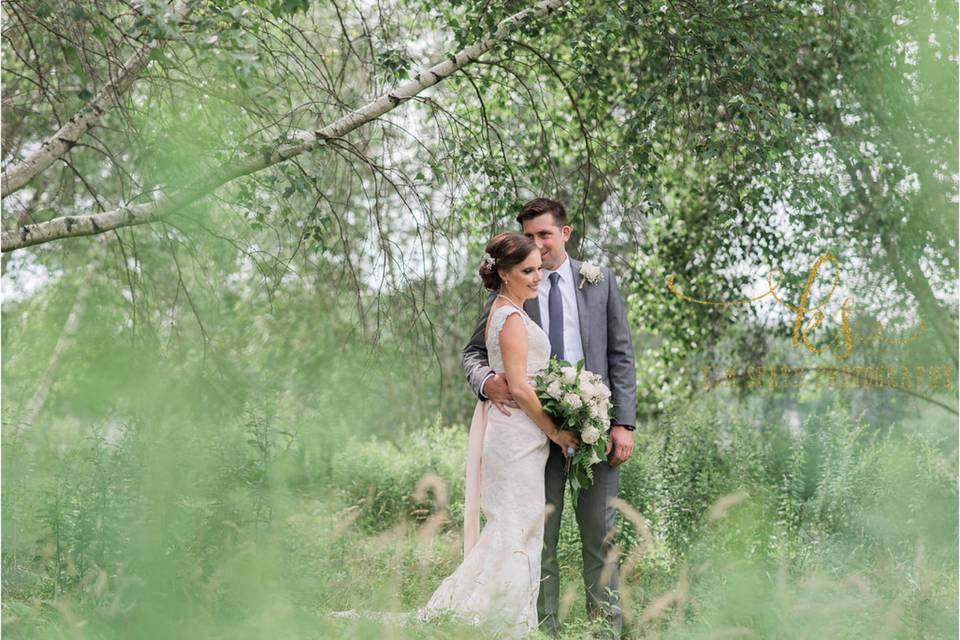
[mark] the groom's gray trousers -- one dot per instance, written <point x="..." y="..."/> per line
<point x="595" y="515"/>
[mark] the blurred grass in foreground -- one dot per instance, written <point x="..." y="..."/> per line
<point x="250" y="528"/>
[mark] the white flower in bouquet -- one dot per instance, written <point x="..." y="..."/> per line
<point x="600" y="403"/>
<point x="573" y="400"/>
<point x="554" y="390"/>
<point x="590" y="434"/>
<point x="598" y="410"/>
<point x="603" y="393"/>
<point x="594" y="458"/>
<point x="587" y="389"/>
<point x="592" y="388"/>
<point x="597" y="380"/>
<point x="569" y="375"/>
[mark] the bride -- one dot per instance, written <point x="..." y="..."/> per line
<point x="499" y="578"/>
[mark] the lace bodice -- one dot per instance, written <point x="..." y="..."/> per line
<point x="538" y="344"/>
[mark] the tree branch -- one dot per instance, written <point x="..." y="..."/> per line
<point x="16" y="177"/>
<point x="129" y="215"/>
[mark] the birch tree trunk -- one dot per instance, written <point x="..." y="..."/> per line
<point x="66" y="336"/>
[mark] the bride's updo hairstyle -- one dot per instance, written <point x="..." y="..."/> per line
<point x="503" y="253"/>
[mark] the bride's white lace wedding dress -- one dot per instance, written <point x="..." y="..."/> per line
<point x="499" y="579"/>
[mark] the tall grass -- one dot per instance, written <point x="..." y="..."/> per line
<point x="250" y="527"/>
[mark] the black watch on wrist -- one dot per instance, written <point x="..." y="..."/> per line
<point x="628" y="427"/>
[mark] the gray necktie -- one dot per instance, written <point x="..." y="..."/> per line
<point x="555" y="309"/>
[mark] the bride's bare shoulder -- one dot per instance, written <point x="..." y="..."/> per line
<point x="496" y="306"/>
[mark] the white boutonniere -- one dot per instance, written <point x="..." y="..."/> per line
<point x="590" y="273"/>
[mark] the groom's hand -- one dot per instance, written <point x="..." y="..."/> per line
<point x="497" y="390"/>
<point x="621" y="443"/>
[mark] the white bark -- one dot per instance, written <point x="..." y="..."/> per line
<point x="15" y="177"/>
<point x="66" y="338"/>
<point x="130" y="215"/>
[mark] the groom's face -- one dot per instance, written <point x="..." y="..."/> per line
<point x="550" y="238"/>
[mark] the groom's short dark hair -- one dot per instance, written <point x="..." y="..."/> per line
<point x="539" y="206"/>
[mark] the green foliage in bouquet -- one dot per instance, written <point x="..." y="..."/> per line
<point x="577" y="400"/>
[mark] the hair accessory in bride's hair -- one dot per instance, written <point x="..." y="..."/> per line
<point x="488" y="261"/>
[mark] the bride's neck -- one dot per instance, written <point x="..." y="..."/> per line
<point x="510" y="300"/>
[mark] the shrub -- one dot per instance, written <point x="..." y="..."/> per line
<point x="380" y="477"/>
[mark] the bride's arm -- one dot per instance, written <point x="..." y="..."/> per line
<point x="513" y="348"/>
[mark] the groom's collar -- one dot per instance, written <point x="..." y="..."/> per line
<point x="566" y="269"/>
<point x="574" y="268"/>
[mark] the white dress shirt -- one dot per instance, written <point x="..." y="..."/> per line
<point x="572" y="344"/>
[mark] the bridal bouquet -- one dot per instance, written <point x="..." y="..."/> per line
<point x="579" y="401"/>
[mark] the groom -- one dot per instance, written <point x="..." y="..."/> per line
<point x="584" y="319"/>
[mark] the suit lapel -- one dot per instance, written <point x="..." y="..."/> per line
<point x="581" y="304"/>
<point x="532" y="307"/>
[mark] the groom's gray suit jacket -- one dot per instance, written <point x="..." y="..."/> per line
<point x="604" y="332"/>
